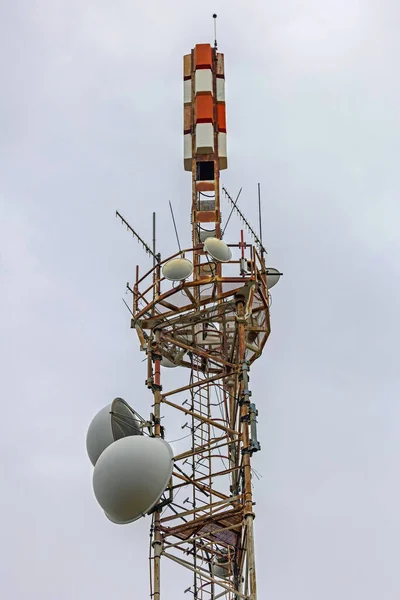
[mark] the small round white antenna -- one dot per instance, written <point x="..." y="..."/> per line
<point x="123" y="420"/>
<point x="166" y="362"/>
<point x="217" y="249"/>
<point x="177" y="269"/>
<point x="273" y="276"/>
<point x="131" y="475"/>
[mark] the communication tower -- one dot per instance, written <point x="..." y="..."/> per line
<point x="205" y="311"/>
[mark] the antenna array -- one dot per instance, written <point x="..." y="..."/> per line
<point x="146" y="247"/>
<point x="245" y="221"/>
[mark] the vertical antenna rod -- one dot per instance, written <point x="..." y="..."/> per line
<point x="215" y="30"/>
<point x="176" y="230"/>
<point x="154" y="239"/>
<point x="259" y="212"/>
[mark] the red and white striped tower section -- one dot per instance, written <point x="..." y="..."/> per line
<point x="205" y="151"/>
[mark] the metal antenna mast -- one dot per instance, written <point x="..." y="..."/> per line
<point x="230" y="214"/>
<point x="259" y="212"/>
<point x="243" y="218"/>
<point x="205" y="311"/>
<point x="154" y="239"/>
<point x="175" y="227"/>
<point x="219" y="332"/>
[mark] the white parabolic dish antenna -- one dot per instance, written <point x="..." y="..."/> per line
<point x="101" y="432"/>
<point x="273" y="277"/>
<point x="177" y="269"/>
<point x="123" y="420"/>
<point x="217" y="249"/>
<point x="131" y="475"/>
<point x="118" y="522"/>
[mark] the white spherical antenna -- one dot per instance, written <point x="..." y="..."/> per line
<point x="177" y="269"/>
<point x="123" y="420"/>
<point x="217" y="249"/>
<point x="131" y="475"/>
<point x="273" y="277"/>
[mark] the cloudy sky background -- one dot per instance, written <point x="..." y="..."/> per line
<point x="90" y="122"/>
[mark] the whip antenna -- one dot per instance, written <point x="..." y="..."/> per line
<point x="154" y="238"/>
<point x="245" y="221"/>
<point x="176" y="230"/>
<point x="259" y="212"/>
<point x="215" y="30"/>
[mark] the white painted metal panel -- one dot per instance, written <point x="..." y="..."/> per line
<point x="187" y="151"/>
<point x="204" y="138"/>
<point x="187" y="91"/>
<point x="220" y="89"/>
<point x="203" y="81"/>
<point x="222" y="151"/>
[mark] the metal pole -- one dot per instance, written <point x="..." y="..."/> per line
<point x="259" y="213"/>
<point x="157" y="544"/>
<point x="175" y="227"/>
<point x="154" y="239"/>
<point x="215" y="30"/>
<point x="244" y="418"/>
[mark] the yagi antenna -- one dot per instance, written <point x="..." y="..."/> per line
<point x="230" y="214"/>
<point x="137" y="236"/>
<point x="245" y="221"/>
<point x="176" y="230"/>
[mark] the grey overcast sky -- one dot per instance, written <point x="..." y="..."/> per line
<point x="90" y="122"/>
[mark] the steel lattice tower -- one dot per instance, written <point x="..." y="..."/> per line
<point x="213" y="325"/>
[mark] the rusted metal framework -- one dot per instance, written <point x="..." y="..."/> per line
<point x="214" y="329"/>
